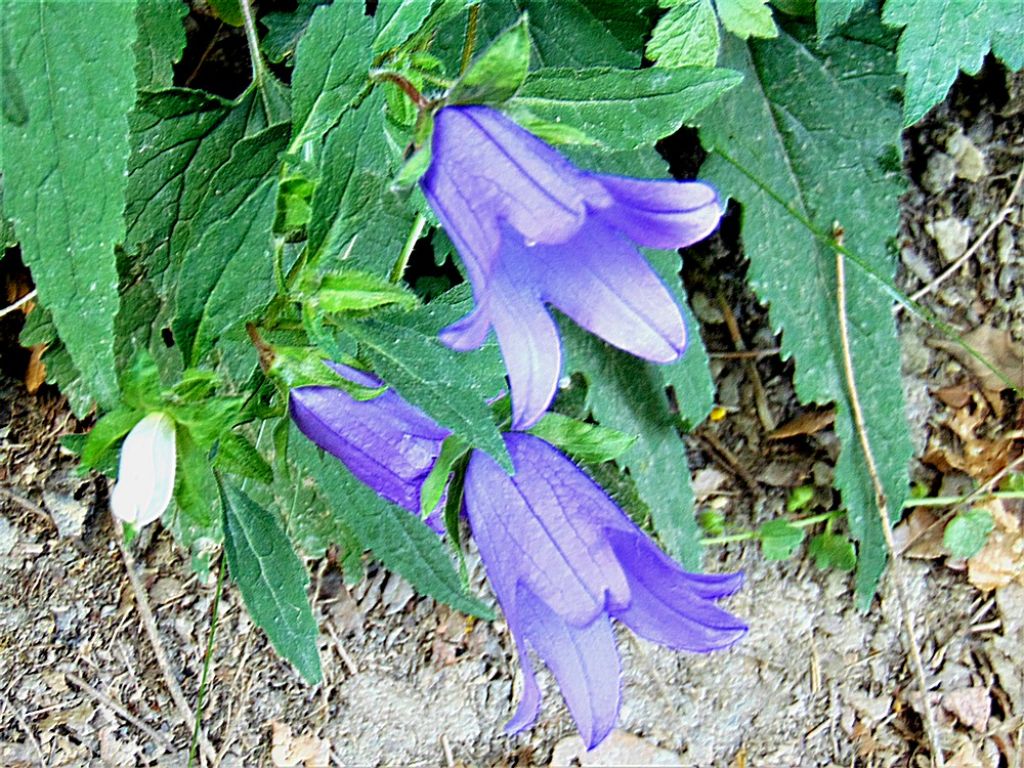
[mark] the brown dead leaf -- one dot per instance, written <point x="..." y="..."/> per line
<point x="35" y="371"/>
<point x="805" y="424"/>
<point x="957" y="396"/>
<point x="919" y="535"/>
<point x="965" y="757"/>
<point x="999" y="562"/>
<point x="982" y="447"/>
<point x="971" y="706"/>
<point x="287" y="751"/>
<point x="995" y="345"/>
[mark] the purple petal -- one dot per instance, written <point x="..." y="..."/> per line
<point x="583" y="660"/>
<point x="600" y="281"/>
<point x="661" y="214"/>
<point x="536" y="529"/>
<point x="665" y="607"/>
<point x="387" y="443"/>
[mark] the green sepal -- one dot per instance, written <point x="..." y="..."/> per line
<point x="356" y="291"/>
<point x="452" y="449"/>
<point x="499" y="72"/>
<point x="412" y="171"/>
<point x="294" y="367"/>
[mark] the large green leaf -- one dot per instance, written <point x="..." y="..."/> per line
<point x="332" y="63"/>
<point x="830" y="15"/>
<point x="271" y="578"/>
<point x="398" y="20"/>
<point x="440" y="381"/>
<point x="781" y="127"/>
<point x="353" y="212"/>
<point x="65" y="152"/>
<point x="227" y="275"/>
<point x="397" y="537"/>
<point x="941" y="37"/>
<point x="160" y="41"/>
<point x="623" y="109"/>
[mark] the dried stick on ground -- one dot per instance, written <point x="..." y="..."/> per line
<point x="999" y="219"/>
<point x="895" y="569"/>
<point x="184" y="710"/>
<point x="117" y="709"/>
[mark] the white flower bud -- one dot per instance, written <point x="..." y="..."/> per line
<point x="145" y="478"/>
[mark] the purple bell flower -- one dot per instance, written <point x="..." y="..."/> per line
<point x="563" y="560"/>
<point x="387" y="443"/>
<point x="532" y="229"/>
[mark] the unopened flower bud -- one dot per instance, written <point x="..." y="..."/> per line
<point x="145" y="477"/>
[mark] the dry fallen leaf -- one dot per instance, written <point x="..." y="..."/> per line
<point x="805" y="424"/>
<point x="919" y="535"/>
<point x="287" y="751"/>
<point x="971" y="706"/>
<point x="995" y="345"/>
<point x="982" y="447"/>
<point x="999" y="562"/>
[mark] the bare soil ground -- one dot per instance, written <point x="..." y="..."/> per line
<point x="408" y="682"/>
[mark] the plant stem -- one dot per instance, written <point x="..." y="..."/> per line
<point x="952" y="501"/>
<point x="404" y="83"/>
<point x="804" y="522"/>
<point x="410" y="243"/>
<point x="259" y="73"/>
<point x="206" y="664"/>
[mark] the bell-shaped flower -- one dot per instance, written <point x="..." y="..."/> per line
<point x="532" y="229"/>
<point x="145" y="477"/>
<point x="563" y="560"/>
<point x="387" y="443"/>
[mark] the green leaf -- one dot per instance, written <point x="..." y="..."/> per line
<point x="100" y="445"/>
<point x="355" y="216"/>
<point x="967" y="533"/>
<point x="686" y="36"/>
<point x="398" y="20"/>
<point x="402" y="542"/>
<point x="305" y="366"/>
<point x="623" y="109"/>
<point x="237" y="455"/>
<point x="206" y="420"/>
<point x="161" y="40"/>
<point x="452" y="449"/>
<point x="780" y="127"/>
<point x="353" y="291"/>
<point x="588" y="443"/>
<point x="228" y="11"/>
<point x="799" y="498"/>
<point x="434" y="378"/>
<point x="197" y="519"/>
<point x="747" y="18"/>
<point x="332" y="63"/>
<point x="500" y="71"/>
<point x="942" y="37"/>
<point x="779" y="539"/>
<point x="64" y="166"/>
<point x="285" y="29"/>
<point x="227" y="276"/>
<point x="830" y="550"/>
<point x="831" y="15"/>
<point x="271" y="578"/>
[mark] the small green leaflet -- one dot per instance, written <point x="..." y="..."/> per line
<point x="160" y="42"/>
<point x="623" y="109"/>
<point x="355" y="291"/>
<point x="71" y="67"/>
<point x="779" y="539"/>
<point x="197" y="517"/>
<point x="747" y="18"/>
<point x="830" y="550"/>
<point x="105" y="435"/>
<point x="497" y="73"/>
<point x="780" y="126"/>
<point x="271" y="578"/>
<point x="398" y="20"/>
<point x="402" y="542"/>
<point x="687" y="35"/>
<point x="237" y="455"/>
<point x="588" y="443"/>
<point x="942" y="37"/>
<point x="967" y="533"/>
<point x="432" y="377"/>
<point x="332" y="62"/>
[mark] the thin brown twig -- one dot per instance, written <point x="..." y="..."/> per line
<point x="18" y="304"/>
<point x="727" y="458"/>
<point x="23" y="724"/>
<point x="764" y="413"/>
<point x="117" y="709"/>
<point x="29" y="505"/>
<point x="1000" y="217"/>
<point x="142" y="602"/>
<point x="895" y="569"/>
